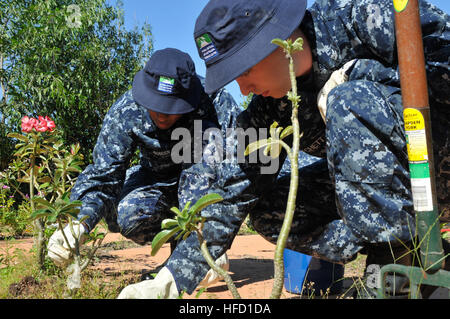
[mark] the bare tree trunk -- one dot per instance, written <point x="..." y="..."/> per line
<point x="39" y="241"/>
<point x="39" y="237"/>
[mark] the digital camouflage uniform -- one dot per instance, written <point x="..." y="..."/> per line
<point x="358" y="193"/>
<point x="134" y="201"/>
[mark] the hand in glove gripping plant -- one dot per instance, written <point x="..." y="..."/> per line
<point x="185" y="222"/>
<point x="58" y="245"/>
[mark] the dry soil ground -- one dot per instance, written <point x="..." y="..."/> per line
<point x="251" y="265"/>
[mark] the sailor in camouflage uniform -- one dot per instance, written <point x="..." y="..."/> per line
<point x="357" y="198"/>
<point x="167" y="94"/>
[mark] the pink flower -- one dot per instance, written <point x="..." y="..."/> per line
<point x="50" y="124"/>
<point x="41" y="124"/>
<point x="27" y="124"/>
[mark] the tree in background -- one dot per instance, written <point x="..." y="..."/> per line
<point x="69" y="61"/>
<point x="246" y="101"/>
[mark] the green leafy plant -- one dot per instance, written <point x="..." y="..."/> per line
<point x="13" y="217"/>
<point x="272" y="147"/>
<point x="32" y="146"/>
<point x="7" y="257"/>
<point x="68" y="59"/>
<point x="49" y="169"/>
<point x="189" y="220"/>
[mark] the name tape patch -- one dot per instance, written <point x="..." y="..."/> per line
<point x="166" y="84"/>
<point x="206" y="46"/>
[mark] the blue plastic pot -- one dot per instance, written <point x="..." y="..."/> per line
<point x="300" y="268"/>
<point x="295" y="267"/>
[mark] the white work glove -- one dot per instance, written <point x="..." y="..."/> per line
<point x="58" y="251"/>
<point x="162" y="287"/>
<point x="211" y="276"/>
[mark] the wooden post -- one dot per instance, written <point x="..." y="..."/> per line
<point x="416" y="115"/>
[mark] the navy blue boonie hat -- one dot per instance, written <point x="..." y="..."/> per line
<point x="168" y="83"/>
<point x="234" y="35"/>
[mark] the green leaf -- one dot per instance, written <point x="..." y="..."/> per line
<point x="252" y="147"/>
<point x="66" y="197"/>
<point x="72" y="213"/>
<point x="44" y="179"/>
<point x="71" y="209"/>
<point x="176" y="211"/>
<point x="20" y="137"/>
<point x="274" y="125"/>
<point x="25" y="179"/>
<point x="206" y="200"/>
<point x="39" y="213"/>
<point x="75" y="148"/>
<point x="42" y="202"/>
<point x="44" y="185"/>
<point x="83" y="218"/>
<point x="74" y="168"/>
<point x="23" y="152"/>
<point x="74" y="204"/>
<point x="161" y="238"/>
<point x="286" y="132"/>
<point x="95" y="234"/>
<point x="182" y="221"/>
<point x="297" y="45"/>
<point x="19" y="145"/>
<point x="168" y="223"/>
<point x="186" y="235"/>
<point x="79" y="202"/>
<point x="280" y="42"/>
<point x="186" y="209"/>
<point x="52" y="217"/>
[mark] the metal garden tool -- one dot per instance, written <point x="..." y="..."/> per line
<point x="416" y="113"/>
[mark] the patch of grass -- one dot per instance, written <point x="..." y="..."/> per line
<point x="356" y="267"/>
<point x="118" y="245"/>
<point x="22" y="279"/>
<point x="15" y="265"/>
<point x="247" y="228"/>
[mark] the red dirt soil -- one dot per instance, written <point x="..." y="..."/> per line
<point x="251" y="264"/>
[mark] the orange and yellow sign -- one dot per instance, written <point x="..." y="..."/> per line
<point x="415" y="135"/>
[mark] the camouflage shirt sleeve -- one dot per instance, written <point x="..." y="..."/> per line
<point x="101" y="182"/>
<point x="343" y="30"/>
<point x="375" y="29"/>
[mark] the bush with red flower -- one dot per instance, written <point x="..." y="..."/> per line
<point x="50" y="169"/>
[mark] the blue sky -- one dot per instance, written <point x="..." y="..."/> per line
<point x="173" y="21"/>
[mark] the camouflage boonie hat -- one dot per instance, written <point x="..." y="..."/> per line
<point x="168" y="83"/>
